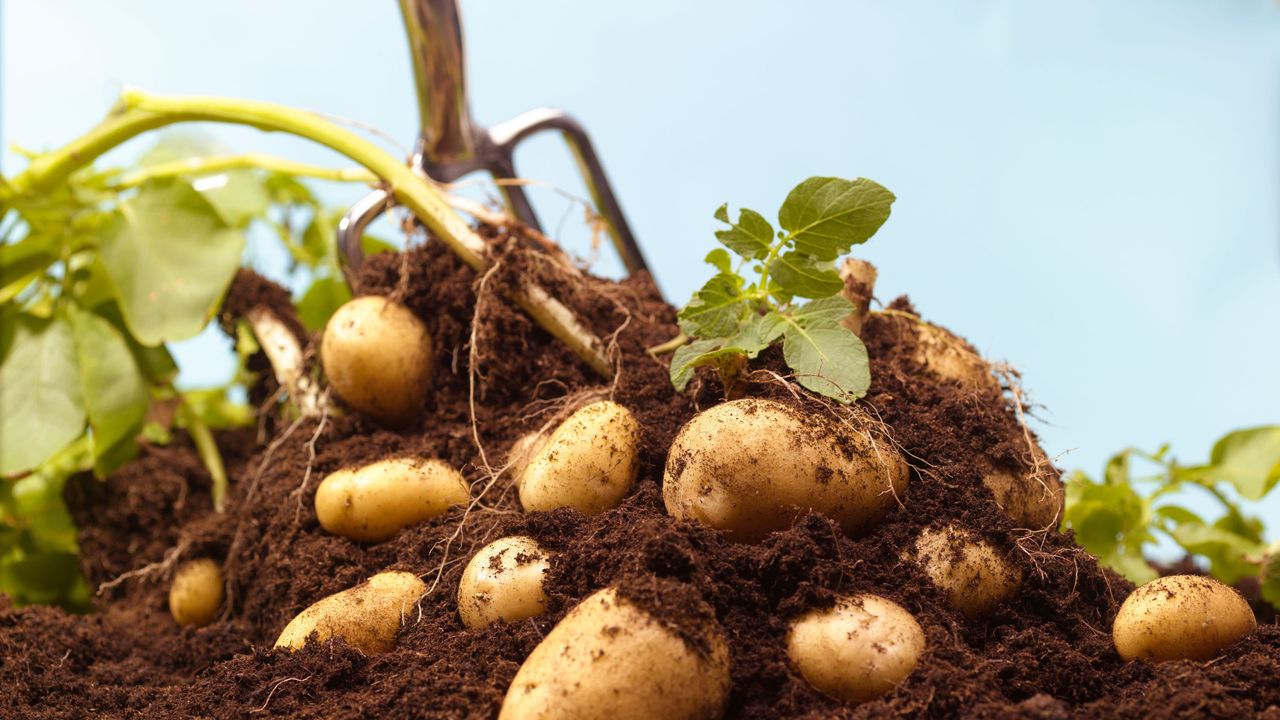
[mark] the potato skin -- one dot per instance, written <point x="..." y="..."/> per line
<point x="589" y="462"/>
<point x="971" y="573"/>
<point x="950" y="358"/>
<point x="750" y="467"/>
<point x="858" y="650"/>
<point x="378" y="358"/>
<point x="373" y="502"/>
<point x="1181" y="617"/>
<point x="196" y="592"/>
<point x="609" y="659"/>
<point x="1032" y="500"/>
<point x="503" y="582"/>
<point x="367" y="616"/>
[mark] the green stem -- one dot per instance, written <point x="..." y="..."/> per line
<point x="250" y="161"/>
<point x="207" y="448"/>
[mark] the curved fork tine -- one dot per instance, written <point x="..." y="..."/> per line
<point x="351" y="229"/>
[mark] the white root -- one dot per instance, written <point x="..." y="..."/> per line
<point x="285" y="355"/>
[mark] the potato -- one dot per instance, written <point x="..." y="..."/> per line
<point x="1180" y="617"/>
<point x="1031" y="499"/>
<point x="750" y="467"/>
<point x="503" y="582"/>
<point x="373" y="502"/>
<point x="367" y="616"/>
<point x="971" y="573"/>
<point x="589" y="462"/>
<point x="378" y="358"/>
<point x="609" y="659"/>
<point x="858" y="650"/>
<point x="947" y="356"/>
<point x="196" y="592"/>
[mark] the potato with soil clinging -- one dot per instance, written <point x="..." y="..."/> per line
<point x="609" y="659"/>
<point x="373" y="502"/>
<point x="196" y="592"/>
<point x="750" y="467"/>
<point x="1032" y="498"/>
<point x="367" y="616"/>
<point x="378" y="358"/>
<point x="972" y="574"/>
<point x="503" y="581"/>
<point x="589" y="462"/>
<point x="858" y="650"/>
<point x="1181" y="617"/>
<point x="949" y="357"/>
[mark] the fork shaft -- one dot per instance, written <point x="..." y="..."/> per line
<point x="439" y="74"/>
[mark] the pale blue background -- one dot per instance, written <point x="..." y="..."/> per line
<point x="1087" y="188"/>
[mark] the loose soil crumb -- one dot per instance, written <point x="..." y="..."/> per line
<point x="1046" y="654"/>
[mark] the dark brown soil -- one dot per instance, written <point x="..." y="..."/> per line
<point x="1046" y="654"/>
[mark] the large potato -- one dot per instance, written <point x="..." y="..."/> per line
<point x="1032" y="498"/>
<point x="949" y="357"/>
<point x="367" y="616"/>
<point x="589" y="462"/>
<point x="373" y="502"/>
<point x="378" y="358"/>
<point x="750" y="467"/>
<point x="609" y="659"/>
<point x="1180" y="617"/>
<point x="504" y="582"/>
<point x="972" y="574"/>
<point x="196" y="592"/>
<point x="858" y="650"/>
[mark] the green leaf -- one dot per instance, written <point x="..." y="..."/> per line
<point x="238" y="196"/>
<point x="41" y="405"/>
<point x="1248" y="459"/>
<point x="720" y="260"/>
<point x="324" y="297"/>
<point x="1269" y="576"/>
<point x="716" y="309"/>
<point x="170" y="257"/>
<point x="24" y="261"/>
<point x="115" y="390"/>
<point x="827" y="310"/>
<point x="373" y="245"/>
<point x="827" y="359"/>
<point x="1107" y="519"/>
<point x="319" y="242"/>
<point x="1227" y="552"/>
<point x="213" y="407"/>
<point x="751" y="237"/>
<point x="685" y="361"/>
<point x="803" y="276"/>
<point x="758" y="332"/>
<point x="825" y="216"/>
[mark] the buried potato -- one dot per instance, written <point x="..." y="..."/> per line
<point x="750" y="467"/>
<point x="1032" y="498"/>
<point x="373" y="502"/>
<point x="609" y="659"/>
<point x="367" y="616"/>
<point x="588" y="463"/>
<point x="503" y="581"/>
<point x="972" y="575"/>
<point x="196" y="592"/>
<point x="1181" y="617"/>
<point x="858" y="650"/>
<point x="378" y="358"/>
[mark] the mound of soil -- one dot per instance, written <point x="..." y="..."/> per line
<point x="1045" y="654"/>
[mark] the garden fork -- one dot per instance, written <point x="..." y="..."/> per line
<point x="451" y="145"/>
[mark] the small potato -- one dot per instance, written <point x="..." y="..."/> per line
<point x="373" y="502"/>
<point x="750" y="467"/>
<point x="969" y="571"/>
<point x="858" y="650"/>
<point x="367" y="616"/>
<point x="196" y="592"/>
<point x="1032" y="499"/>
<point x="503" y="582"/>
<point x="378" y="358"/>
<point x="589" y="462"/>
<point x="1180" y="617"/>
<point x="609" y="659"/>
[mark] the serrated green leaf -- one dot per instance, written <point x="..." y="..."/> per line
<point x="115" y="390"/>
<point x="826" y="216"/>
<point x="1248" y="459"/>
<point x="803" y="276"/>
<point x="170" y="257"/>
<point x="321" y="300"/>
<point x="683" y="361"/>
<point x="41" y="405"/>
<point x="826" y="311"/>
<point x="716" y="309"/>
<point x="720" y="260"/>
<point x="758" y="332"/>
<point x="751" y="237"/>
<point x="828" y="360"/>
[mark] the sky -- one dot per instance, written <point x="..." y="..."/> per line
<point x="1086" y="189"/>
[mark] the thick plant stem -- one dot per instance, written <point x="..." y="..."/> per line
<point x="285" y="355"/>
<point x="250" y="161"/>
<point x="138" y="112"/>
